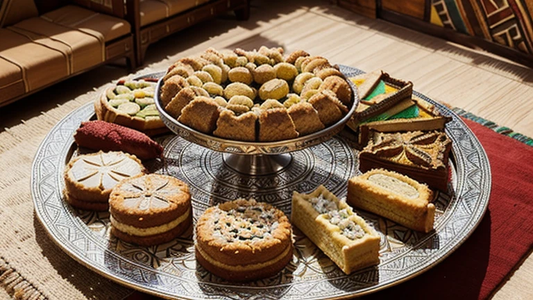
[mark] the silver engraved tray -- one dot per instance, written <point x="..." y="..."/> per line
<point x="170" y="270"/>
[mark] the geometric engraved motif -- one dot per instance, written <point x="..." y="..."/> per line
<point x="170" y="270"/>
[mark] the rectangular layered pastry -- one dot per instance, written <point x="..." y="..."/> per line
<point x="393" y="196"/>
<point x="378" y="92"/>
<point x="421" y="155"/>
<point x="332" y="225"/>
<point x="409" y="115"/>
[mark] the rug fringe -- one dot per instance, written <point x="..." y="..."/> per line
<point x="15" y="285"/>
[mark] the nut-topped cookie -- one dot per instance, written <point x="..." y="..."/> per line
<point x="150" y="209"/>
<point x="243" y="240"/>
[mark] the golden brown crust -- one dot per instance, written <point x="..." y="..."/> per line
<point x="332" y="225"/>
<point x="201" y="114"/>
<point x="394" y="196"/>
<point x="305" y="118"/>
<point x="171" y="87"/>
<point x="309" y="64"/>
<point x="182" y="98"/>
<point x="180" y="69"/>
<point x="151" y="126"/>
<point x="291" y="58"/>
<point x="326" y="105"/>
<point x="339" y="86"/>
<point x="276" y="124"/>
<point x="155" y="239"/>
<point x="245" y="275"/>
<point x="137" y="200"/>
<point x="241" y="127"/>
<point x="150" y="209"/>
<point x="323" y="72"/>
<point x="420" y="155"/>
<point x="263" y="75"/>
<point x="243" y="235"/>
<point x="91" y="177"/>
<point x="86" y="205"/>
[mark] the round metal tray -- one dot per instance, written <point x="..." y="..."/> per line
<point x="170" y="270"/>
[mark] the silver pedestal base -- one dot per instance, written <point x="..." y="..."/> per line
<point x="257" y="165"/>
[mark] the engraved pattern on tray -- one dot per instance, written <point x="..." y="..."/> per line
<point x="170" y="270"/>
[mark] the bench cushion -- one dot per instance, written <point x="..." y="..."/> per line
<point x="104" y="27"/>
<point x="40" y="65"/>
<point x="156" y="10"/>
<point x="11" y="82"/>
<point x="14" y="11"/>
<point x="82" y="50"/>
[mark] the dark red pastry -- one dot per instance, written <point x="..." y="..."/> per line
<point x="105" y="136"/>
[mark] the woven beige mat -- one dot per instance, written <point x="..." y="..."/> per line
<point x="31" y="265"/>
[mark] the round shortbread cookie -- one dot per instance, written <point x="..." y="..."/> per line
<point x="150" y="209"/>
<point x="89" y="178"/>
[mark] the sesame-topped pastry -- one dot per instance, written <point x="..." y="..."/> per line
<point x="393" y="196"/>
<point x="421" y="155"/>
<point x="89" y="178"/>
<point x="332" y="225"/>
<point x="243" y="240"/>
<point x="150" y="209"/>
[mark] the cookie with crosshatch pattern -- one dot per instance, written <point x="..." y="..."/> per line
<point x="150" y="209"/>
